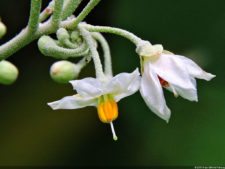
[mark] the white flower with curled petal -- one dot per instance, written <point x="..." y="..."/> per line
<point x="102" y="94"/>
<point x="164" y="69"/>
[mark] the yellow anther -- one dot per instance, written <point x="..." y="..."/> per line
<point x="107" y="110"/>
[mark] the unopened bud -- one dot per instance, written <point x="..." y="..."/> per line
<point x="3" y="29"/>
<point x="62" y="34"/>
<point x="8" y="73"/>
<point x="75" y="37"/>
<point x="64" y="71"/>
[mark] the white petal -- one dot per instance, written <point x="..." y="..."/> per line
<point x="189" y="94"/>
<point x="73" y="102"/>
<point x="124" y="84"/>
<point x="173" y="70"/>
<point x="194" y="69"/>
<point x="88" y="87"/>
<point x="152" y="93"/>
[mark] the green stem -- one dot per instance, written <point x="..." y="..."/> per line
<point x="18" y="42"/>
<point x="69" y="44"/>
<point x="56" y="17"/>
<point x="24" y="37"/>
<point x="84" y="61"/>
<point x="64" y="38"/>
<point x="94" y="53"/>
<point x="106" y="51"/>
<point x="84" y="13"/>
<point x="47" y="11"/>
<point x="48" y="47"/>
<point x="104" y="29"/>
<point x="69" y="7"/>
<point x="34" y="16"/>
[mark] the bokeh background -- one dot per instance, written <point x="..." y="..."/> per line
<point x="32" y="134"/>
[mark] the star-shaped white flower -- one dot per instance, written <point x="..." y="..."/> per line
<point x="173" y="72"/>
<point x="102" y="94"/>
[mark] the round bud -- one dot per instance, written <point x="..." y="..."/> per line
<point x="75" y="37"/>
<point x="64" y="71"/>
<point x="62" y="34"/>
<point x="8" y="73"/>
<point x="2" y="29"/>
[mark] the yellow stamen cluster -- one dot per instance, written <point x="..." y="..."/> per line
<point x="107" y="109"/>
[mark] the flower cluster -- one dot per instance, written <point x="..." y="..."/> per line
<point x="159" y="69"/>
<point x="76" y="39"/>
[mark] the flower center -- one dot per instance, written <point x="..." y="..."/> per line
<point x="107" y="109"/>
<point x="163" y="82"/>
<point x="166" y="84"/>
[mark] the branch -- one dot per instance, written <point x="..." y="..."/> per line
<point x="69" y="7"/>
<point x="48" y="47"/>
<point x="47" y="11"/>
<point x="34" y="16"/>
<point x="84" y="13"/>
<point x="57" y="14"/>
<point x="24" y="37"/>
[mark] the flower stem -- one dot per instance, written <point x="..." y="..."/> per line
<point x="24" y="37"/>
<point x="106" y="51"/>
<point x="48" y="47"/>
<point x="94" y="53"/>
<point x="47" y="12"/>
<point x="69" y="7"/>
<point x="18" y="42"/>
<point x="57" y="14"/>
<point x="105" y="29"/>
<point x="34" y="15"/>
<point x="84" y="13"/>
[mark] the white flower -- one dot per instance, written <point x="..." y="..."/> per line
<point x="102" y="94"/>
<point x="173" y="72"/>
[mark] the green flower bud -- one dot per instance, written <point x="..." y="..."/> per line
<point x="62" y="34"/>
<point x="75" y="37"/>
<point x="3" y="29"/>
<point x="64" y="71"/>
<point x="8" y="73"/>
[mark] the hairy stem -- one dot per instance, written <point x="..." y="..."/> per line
<point x="69" y="7"/>
<point x="48" y="47"/>
<point x="106" y="51"/>
<point x="47" y="11"/>
<point x="34" y="16"/>
<point x="84" y="13"/>
<point x="104" y="29"/>
<point x="94" y="53"/>
<point x="84" y="61"/>
<point x="24" y="37"/>
<point x="56" y="17"/>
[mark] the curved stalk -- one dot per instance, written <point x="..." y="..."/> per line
<point x="48" y="47"/>
<point x="94" y="53"/>
<point x="105" y="29"/>
<point x="24" y="37"/>
<point x="107" y="54"/>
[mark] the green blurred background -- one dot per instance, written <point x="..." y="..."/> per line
<point x="32" y="134"/>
